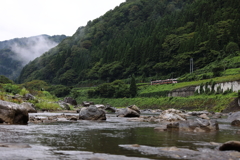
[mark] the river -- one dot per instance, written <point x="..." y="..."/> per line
<point x="102" y="139"/>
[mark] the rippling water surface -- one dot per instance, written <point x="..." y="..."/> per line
<point x="84" y="139"/>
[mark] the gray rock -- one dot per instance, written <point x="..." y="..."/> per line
<point x="12" y="113"/>
<point x="110" y="108"/>
<point x="203" y="116"/>
<point x="172" y="115"/>
<point x="92" y="113"/>
<point x="217" y="115"/>
<point x="70" y="101"/>
<point x="100" y="106"/>
<point x="197" y="113"/>
<point x="29" y="106"/>
<point x="234" y="118"/>
<point x="86" y="103"/>
<point x="28" y="96"/>
<point x="131" y="111"/>
<point x="64" y="105"/>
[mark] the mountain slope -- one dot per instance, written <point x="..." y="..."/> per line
<point x="145" y="38"/>
<point x="16" y="53"/>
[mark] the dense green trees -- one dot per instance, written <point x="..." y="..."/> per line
<point x="116" y="89"/>
<point x="145" y="38"/>
<point x="5" y="80"/>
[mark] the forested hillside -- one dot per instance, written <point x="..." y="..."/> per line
<point x="16" y="53"/>
<point x="148" y="38"/>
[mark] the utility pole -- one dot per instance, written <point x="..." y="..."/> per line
<point x="191" y="65"/>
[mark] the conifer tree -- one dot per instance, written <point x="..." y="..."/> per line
<point x="133" y="87"/>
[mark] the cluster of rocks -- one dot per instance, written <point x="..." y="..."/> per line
<point x="49" y="119"/>
<point x="13" y="113"/>
<point x="173" y="119"/>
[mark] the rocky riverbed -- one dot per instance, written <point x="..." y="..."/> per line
<point x="65" y="136"/>
<point x="99" y="132"/>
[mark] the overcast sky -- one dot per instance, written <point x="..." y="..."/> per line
<point x="26" y="18"/>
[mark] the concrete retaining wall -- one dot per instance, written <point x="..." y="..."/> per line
<point x="189" y="91"/>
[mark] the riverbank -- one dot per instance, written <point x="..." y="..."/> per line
<point x="216" y="103"/>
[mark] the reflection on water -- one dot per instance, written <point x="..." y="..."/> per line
<point x="105" y="137"/>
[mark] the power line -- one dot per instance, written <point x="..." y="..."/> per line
<point x="191" y="65"/>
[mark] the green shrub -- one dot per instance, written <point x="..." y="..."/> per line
<point x="47" y="106"/>
<point x="116" y="89"/>
<point x="10" y="88"/>
<point x="232" y="48"/>
<point x="59" y="90"/>
<point x="201" y="90"/>
<point x="213" y="83"/>
<point x="23" y="91"/>
<point x="217" y="71"/>
<point x="36" y="85"/>
<point x="91" y="93"/>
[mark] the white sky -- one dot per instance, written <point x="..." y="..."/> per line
<point x="26" y="18"/>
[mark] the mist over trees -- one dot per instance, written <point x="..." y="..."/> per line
<point x="147" y="38"/>
<point x="16" y="53"/>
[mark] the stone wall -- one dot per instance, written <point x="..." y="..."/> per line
<point x="235" y="86"/>
<point x="189" y="91"/>
<point x="183" y="92"/>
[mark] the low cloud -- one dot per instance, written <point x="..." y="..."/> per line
<point x="32" y="48"/>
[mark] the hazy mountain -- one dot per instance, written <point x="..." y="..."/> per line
<point x="16" y="53"/>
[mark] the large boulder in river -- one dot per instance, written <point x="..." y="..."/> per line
<point x="13" y="113"/>
<point x="29" y="106"/>
<point x="92" y="113"/>
<point x="234" y="118"/>
<point x="130" y="111"/>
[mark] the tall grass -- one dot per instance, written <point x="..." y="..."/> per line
<point x="199" y="102"/>
<point x="48" y="106"/>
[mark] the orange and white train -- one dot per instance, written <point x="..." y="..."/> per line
<point x="166" y="81"/>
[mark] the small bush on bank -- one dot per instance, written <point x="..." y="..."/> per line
<point x="23" y="91"/>
<point x="47" y="106"/>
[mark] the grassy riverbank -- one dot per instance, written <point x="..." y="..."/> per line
<point x="215" y="103"/>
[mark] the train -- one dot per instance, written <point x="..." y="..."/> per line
<point x="166" y="81"/>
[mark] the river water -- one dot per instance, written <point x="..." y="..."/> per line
<point x="101" y="139"/>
